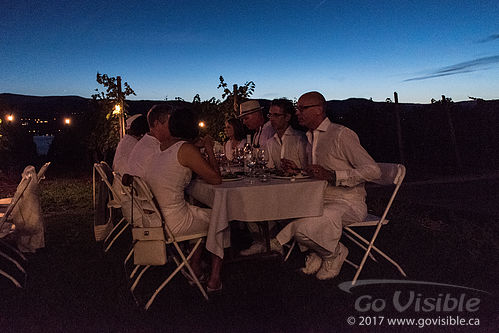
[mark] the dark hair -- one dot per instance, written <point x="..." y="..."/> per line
<point x="288" y="107"/>
<point x="183" y="124"/>
<point x="285" y="104"/>
<point x="239" y="132"/>
<point x="139" y="126"/>
<point x="159" y="112"/>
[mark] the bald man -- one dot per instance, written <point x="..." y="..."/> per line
<point x="336" y="156"/>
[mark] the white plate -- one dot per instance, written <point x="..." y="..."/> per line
<point x="232" y="179"/>
<point x="299" y="176"/>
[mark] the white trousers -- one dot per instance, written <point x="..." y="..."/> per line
<point x="324" y="230"/>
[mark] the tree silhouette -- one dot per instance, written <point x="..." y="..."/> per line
<point x="105" y="134"/>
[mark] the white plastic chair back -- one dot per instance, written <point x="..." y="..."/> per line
<point x="23" y="185"/>
<point x="145" y="212"/>
<point x="41" y="172"/>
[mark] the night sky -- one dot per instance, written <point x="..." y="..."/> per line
<point x="166" y="49"/>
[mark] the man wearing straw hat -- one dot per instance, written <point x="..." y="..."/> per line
<point x="251" y="115"/>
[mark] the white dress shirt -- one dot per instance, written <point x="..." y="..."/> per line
<point x="337" y="148"/>
<point x="141" y="154"/>
<point x="125" y="147"/>
<point x="262" y="135"/>
<point x="292" y="146"/>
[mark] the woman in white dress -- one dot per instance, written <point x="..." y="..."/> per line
<point x="234" y="130"/>
<point x="170" y="171"/>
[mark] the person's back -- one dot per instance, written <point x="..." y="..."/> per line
<point x="141" y="154"/>
<point x="136" y="127"/>
<point x="167" y="179"/>
<point x="123" y="151"/>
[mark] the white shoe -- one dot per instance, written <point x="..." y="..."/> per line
<point x="312" y="264"/>
<point x="276" y="246"/>
<point x="331" y="267"/>
<point x="255" y="248"/>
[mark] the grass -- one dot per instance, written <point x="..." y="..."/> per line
<point x="73" y="286"/>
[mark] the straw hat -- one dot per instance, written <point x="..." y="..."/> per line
<point x="249" y="107"/>
<point x="130" y="120"/>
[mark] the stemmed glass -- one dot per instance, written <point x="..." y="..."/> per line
<point x="262" y="160"/>
<point x="251" y="162"/>
<point x="239" y="156"/>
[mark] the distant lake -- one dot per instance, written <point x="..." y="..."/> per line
<point x="42" y="143"/>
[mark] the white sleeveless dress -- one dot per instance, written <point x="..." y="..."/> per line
<point x="167" y="179"/>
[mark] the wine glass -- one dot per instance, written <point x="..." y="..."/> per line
<point x="239" y="155"/>
<point x="262" y="158"/>
<point x="251" y="163"/>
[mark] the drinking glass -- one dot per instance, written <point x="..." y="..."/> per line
<point x="251" y="163"/>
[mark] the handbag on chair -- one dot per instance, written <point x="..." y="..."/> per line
<point x="149" y="247"/>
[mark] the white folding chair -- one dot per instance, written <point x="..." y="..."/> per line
<point x="149" y="225"/>
<point x="5" y="202"/>
<point x="7" y="228"/>
<point x="391" y="174"/>
<point x="41" y="172"/>
<point x="114" y="202"/>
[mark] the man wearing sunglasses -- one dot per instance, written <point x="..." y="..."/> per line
<point x="337" y="156"/>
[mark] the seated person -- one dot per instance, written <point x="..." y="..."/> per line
<point x="251" y="114"/>
<point x="157" y="118"/>
<point x="234" y="130"/>
<point x="136" y="127"/>
<point x="168" y="173"/>
<point x="286" y="143"/>
<point x="339" y="158"/>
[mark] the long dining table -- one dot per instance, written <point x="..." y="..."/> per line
<point x="241" y="200"/>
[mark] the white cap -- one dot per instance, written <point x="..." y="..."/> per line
<point x="130" y="120"/>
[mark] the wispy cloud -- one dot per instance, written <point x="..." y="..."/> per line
<point x="489" y="39"/>
<point x="270" y="94"/>
<point x="320" y="4"/>
<point x="463" y="67"/>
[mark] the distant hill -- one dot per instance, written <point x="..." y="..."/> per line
<point x="60" y="105"/>
<point x="48" y="106"/>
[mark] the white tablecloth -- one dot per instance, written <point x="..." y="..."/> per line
<point x="237" y="200"/>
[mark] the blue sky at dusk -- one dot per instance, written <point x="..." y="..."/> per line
<point x="367" y="49"/>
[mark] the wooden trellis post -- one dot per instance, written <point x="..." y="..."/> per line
<point x="399" y="128"/>
<point x="234" y="95"/>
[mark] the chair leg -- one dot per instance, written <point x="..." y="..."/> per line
<point x="185" y="262"/>
<point x="351" y="263"/>
<point x="168" y="279"/>
<point x="134" y="285"/>
<point x="128" y="257"/>
<point x="134" y="271"/>
<point x="19" y="253"/>
<point x="290" y="250"/>
<point x="12" y="260"/>
<point x="112" y="230"/>
<point x="117" y="235"/>
<point x="371" y="246"/>
<point x="11" y="278"/>
<point x="360" y="245"/>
